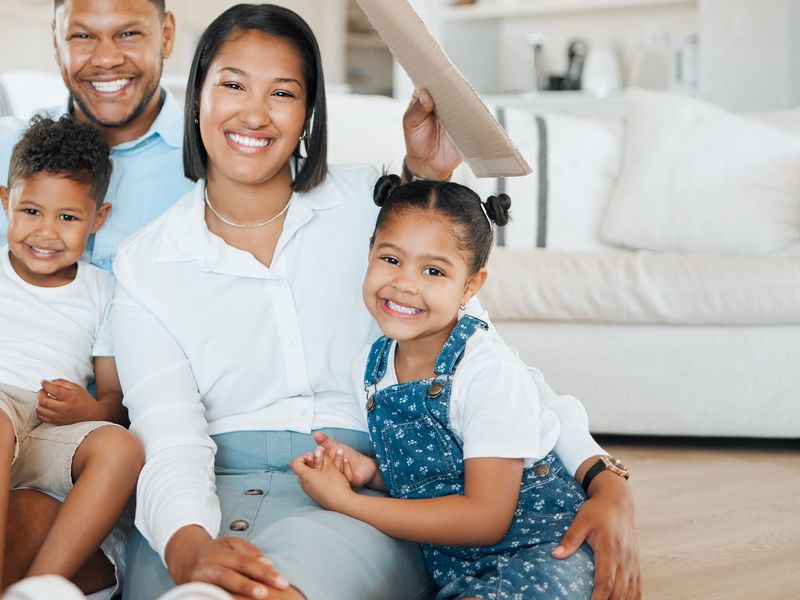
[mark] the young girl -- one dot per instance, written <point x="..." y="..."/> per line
<point x="462" y="444"/>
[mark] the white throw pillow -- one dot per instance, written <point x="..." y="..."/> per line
<point x="582" y="157"/>
<point x="696" y="178"/>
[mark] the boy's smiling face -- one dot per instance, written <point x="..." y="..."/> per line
<point x="50" y="218"/>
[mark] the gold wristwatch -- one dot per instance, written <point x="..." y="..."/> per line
<point x="610" y="463"/>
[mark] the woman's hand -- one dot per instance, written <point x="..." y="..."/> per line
<point x="233" y="564"/>
<point x="324" y="480"/>
<point x="62" y="402"/>
<point x="606" y="523"/>
<point x="359" y="469"/>
<point x="430" y="153"/>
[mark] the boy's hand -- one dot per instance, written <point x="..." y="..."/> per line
<point x="62" y="402"/>
<point x="324" y="483"/>
<point x="358" y="468"/>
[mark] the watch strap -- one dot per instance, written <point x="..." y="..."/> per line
<point x="593" y="472"/>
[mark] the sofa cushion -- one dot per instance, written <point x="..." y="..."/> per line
<point x="696" y="178"/>
<point x="642" y="287"/>
<point x="576" y="162"/>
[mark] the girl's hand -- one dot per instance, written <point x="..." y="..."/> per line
<point x="430" y="153"/>
<point x="359" y="469"/>
<point x="235" y="565"/>
<point x="62" y="402"/>
<point x="324" y="482"/>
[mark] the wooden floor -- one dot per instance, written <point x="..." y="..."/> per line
<point x="716" y="519"/>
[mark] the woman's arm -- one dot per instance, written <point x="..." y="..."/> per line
<point x="479" y="517"/>
<point x="176" y="487"/>
<point x="177" y="508"/>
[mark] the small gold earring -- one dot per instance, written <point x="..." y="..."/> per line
<point x="304" y="135"/>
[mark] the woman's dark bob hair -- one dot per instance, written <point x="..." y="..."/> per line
<point x="278" y="22"/>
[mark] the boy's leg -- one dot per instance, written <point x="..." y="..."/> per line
<point x="104" y="461"/>
<point x="7" y="443"/>
<point x="17" y="418"/>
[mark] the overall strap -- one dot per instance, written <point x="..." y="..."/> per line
<point x="453" y="349"/>
<point x="377" y="361"/>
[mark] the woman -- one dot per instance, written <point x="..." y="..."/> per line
<point x="236" y="320"/>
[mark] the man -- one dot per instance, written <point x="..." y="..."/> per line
<point x="110" y="54"/>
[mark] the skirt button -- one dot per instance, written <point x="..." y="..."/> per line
<point x="541" y="470"/>
<point x="254" y="492"/>
<point x="239" y="525"/>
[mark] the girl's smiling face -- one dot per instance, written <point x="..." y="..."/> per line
<point x="252" y="108"/>
<point x="417" y="277"/>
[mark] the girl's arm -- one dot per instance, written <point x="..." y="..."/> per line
<point x="479" y="517"/>
<point x="360" y="470"/>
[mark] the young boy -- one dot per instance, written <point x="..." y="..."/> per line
<point x="54" y="339"/>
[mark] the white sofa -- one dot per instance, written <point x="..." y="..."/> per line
<point x="653" y="265"/>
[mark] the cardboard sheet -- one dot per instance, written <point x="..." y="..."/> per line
<point x="483" y="143"/>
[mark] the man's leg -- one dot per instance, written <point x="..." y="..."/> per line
<point x="30" y="516"/>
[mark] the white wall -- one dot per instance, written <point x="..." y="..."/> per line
<point x="25" y="32"/>
<point x="750" y="53"/>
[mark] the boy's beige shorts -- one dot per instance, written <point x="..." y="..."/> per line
<point x="43" y="455"/>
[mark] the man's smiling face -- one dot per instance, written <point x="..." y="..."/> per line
<point x="111" y="53"/>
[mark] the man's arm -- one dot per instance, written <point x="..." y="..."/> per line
<point x="430" y="153"/>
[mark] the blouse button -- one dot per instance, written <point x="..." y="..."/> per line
<point x="541" y="470"/>
<point x="239" y="525"/>
<point x="254" y="492"/>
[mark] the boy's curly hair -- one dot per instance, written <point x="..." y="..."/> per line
<point x="63" y="148"/>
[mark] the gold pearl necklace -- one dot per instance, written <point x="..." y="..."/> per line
<point x="245" y="225"/>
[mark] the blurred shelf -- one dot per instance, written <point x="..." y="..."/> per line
<point x="576" y="103"/>
<point x="500" y="9"/>
<point x="365" y="41"/>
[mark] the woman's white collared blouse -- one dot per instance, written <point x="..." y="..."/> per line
<point x="209" y="340"/>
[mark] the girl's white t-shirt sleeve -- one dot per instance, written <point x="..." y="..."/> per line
<point x="575" y="443"/>
<point x="495" y="406"/>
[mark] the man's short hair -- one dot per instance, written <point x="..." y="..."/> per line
<point x="160" y="5"/>
<point x="63" y="148"/>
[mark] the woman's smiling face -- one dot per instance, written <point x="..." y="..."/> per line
<point x="252" y="108"/>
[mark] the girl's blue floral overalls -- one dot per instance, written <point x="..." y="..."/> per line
<point x="420" y="456"/>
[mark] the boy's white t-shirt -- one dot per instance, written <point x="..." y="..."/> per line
<point x="494" y="405"/>
<point x="53" y="333"/>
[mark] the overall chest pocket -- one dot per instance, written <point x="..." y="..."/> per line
<point x="419" y="457"/>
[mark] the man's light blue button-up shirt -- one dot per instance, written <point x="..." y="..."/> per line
<point x="146" y="180"/>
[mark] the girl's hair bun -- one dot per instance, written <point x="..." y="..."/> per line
<point x="384" y="187"/>
<point x="497" y="209"/>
